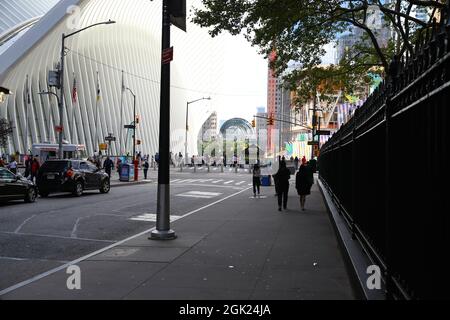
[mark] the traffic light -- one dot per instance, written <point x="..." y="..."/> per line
<point x="138" y="142"/>
<point x="270" y="121"/>
<point x="253" y="123"/>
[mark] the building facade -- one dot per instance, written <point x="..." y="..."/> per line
<point x="101" y="64"/>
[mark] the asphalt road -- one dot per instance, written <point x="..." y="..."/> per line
<point x="37" y="237"/>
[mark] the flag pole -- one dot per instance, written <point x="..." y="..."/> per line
<point x="96" y="116"/>
<point x="121" y="115"/>
<point x="27" y="90"/>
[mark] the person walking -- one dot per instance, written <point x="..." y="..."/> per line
<point x="296" y="161"/>
<point x="2" y="162"/>
<point x="108" y="165"/>
<point x="28" y="166"/>
<point x="34" y="168"/>
<point x="146" y="166"/>
<point x="303" y="181"/>
<point x="12" y="166"/>
<point x="256" y="179"/>
<point x="282" y="184"/>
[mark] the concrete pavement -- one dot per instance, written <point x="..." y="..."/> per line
<point x="236" y="247"/>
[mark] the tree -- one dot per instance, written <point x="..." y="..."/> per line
<point x="299" y="29"/>
<point x="5" y="131"/>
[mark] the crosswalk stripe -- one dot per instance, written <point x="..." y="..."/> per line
<point x="151" y="217"/>
<point x="239" y="183"/>
<point x="217" y="181"/>
<point x="228" y="182"/>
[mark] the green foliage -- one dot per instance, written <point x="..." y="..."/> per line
<point x="298" y="30"/>
<point x="5" y="131"/>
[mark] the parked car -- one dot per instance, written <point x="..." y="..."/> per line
<point x="16" y="187"/>
<point x="73" y="176"/>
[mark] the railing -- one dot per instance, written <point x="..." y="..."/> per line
<point x="387" y="170"/>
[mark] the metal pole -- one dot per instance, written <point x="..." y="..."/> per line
<point x="134" y="127"/>
<point x="26" y="115"/>
<point x="163" y="231"/>
<point x="122" y="89"/>
<point x="61" y="99"/>
<point x="186" y="139"/>
<point x="96" y="114"/>
<point x="314" y="124"/>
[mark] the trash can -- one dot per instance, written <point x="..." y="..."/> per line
<point x="126" y="172"/>
<point x="266" y="180"/>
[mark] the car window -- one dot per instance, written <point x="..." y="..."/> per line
<point x="6" y="175"/>
<point x="84" y="166"/>
<point x="76" y="165"/>
<point x="92" y="167"/>
<point x="55" y="165"/>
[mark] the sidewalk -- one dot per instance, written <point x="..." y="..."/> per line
<point x="238" y="248"/>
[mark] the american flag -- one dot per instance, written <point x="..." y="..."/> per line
<point x="74" y="90"/>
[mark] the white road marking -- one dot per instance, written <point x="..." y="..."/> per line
<point x="151" y="217"/>
<point x="239" y="183"/>
<point x="228" y="182"/>
<point x="199" y="194"/>
<point x="75" y="227"/>
<point x="175" y="180"/>
<point x="118" y="243"/>
<point x="217" y="181"/>
<point x="23" y="223"/>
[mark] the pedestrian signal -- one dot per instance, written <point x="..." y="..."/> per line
<point x="137" y="119"/>
<point x="138" y="142"/>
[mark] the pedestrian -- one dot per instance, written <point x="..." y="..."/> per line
<point x="28" y="166"/>
<point x="12" y="166"/>
<point x="146" y="166"/>
<point x="296" y="161"/>
<point x="313" y="165"/>
<point x="119" y="165"/>
<point x="108" y="165"/>
<point x="282" y="185"/>
<point x="34" y="168"/>
<point x="256" y="179"/>
<point x="303" y="181"/>
<point x="157" y="158"/>
<point x="2" y="162"/>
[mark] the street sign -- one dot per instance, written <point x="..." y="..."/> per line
<point x="53" y="79"/>
<point x="110" y="138"/>
<point x="103" y="146"/>
<point x="312" y="143"/>
<point x="323" y="132"/>
<point x="128" y="126"/>
<point x="167" y="55"/>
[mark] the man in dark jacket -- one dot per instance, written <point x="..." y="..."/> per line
<point x="108" y="166"/>
<point x="282" y="184"/>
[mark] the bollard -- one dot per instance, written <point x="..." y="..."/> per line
<point x="221" y="168"/>
<point x="195" y="168"/>
<point x="181" y="167"/>
<point x="208" y="167"/>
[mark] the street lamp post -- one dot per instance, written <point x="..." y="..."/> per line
<point x="61" y="81"/>
<point x="134" y="135"/>
<point x="187" y="126"/>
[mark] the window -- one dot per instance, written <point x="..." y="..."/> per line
<point x="6" y="175"/>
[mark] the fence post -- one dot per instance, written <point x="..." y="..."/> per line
<point x="354" y="166"/>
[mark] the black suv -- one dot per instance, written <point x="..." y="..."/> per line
<point x="71" y="176"/>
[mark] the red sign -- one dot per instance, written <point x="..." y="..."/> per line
<point x="59" y="128"/>
<point x="167" y="55"/>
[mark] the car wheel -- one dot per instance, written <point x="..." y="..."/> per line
<point x="30" y="196"/>
<point x="105" y="187"/>
<point x="78" y="191"/>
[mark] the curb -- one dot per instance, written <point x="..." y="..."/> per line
<point x="124" y="184"/>
<point x="355" y="257"/>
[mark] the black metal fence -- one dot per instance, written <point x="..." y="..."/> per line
<point x="388" y="171"/>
